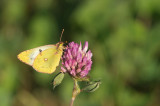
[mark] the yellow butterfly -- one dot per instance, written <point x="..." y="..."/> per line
<point x="43" y="59"/>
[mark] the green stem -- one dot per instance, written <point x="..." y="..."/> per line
<point x="75" y="92"/>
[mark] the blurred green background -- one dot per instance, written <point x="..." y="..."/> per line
<point x="124" y="36"/>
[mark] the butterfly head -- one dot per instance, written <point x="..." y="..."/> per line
<point x="60" y="45"/>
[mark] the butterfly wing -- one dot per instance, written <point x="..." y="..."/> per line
<point x="47" y="60"/>
<point x="29" y="56"/>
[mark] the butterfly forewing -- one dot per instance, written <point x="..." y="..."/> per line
<point x="47" y="60"/>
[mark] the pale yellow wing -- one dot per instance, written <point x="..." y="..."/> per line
<point x="29" y="56"/>
<point x="47" y="60"/>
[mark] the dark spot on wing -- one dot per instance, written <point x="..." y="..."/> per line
<point x="40" y="50"/>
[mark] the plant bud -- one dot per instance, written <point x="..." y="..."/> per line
<point x="92" y="86"/>
<point x="58" y="79"/>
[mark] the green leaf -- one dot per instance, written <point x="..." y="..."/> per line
<point x="58" y="79"/>
<point x="92" y="86"/>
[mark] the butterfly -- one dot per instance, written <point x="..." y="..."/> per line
<point x="43" y="59"/>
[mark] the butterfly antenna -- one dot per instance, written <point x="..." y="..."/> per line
<point x="61" y="34"/>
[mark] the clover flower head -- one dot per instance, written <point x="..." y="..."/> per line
<point x="77" y="61"/>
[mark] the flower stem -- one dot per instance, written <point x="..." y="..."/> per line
<point x="75" y="92"/>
